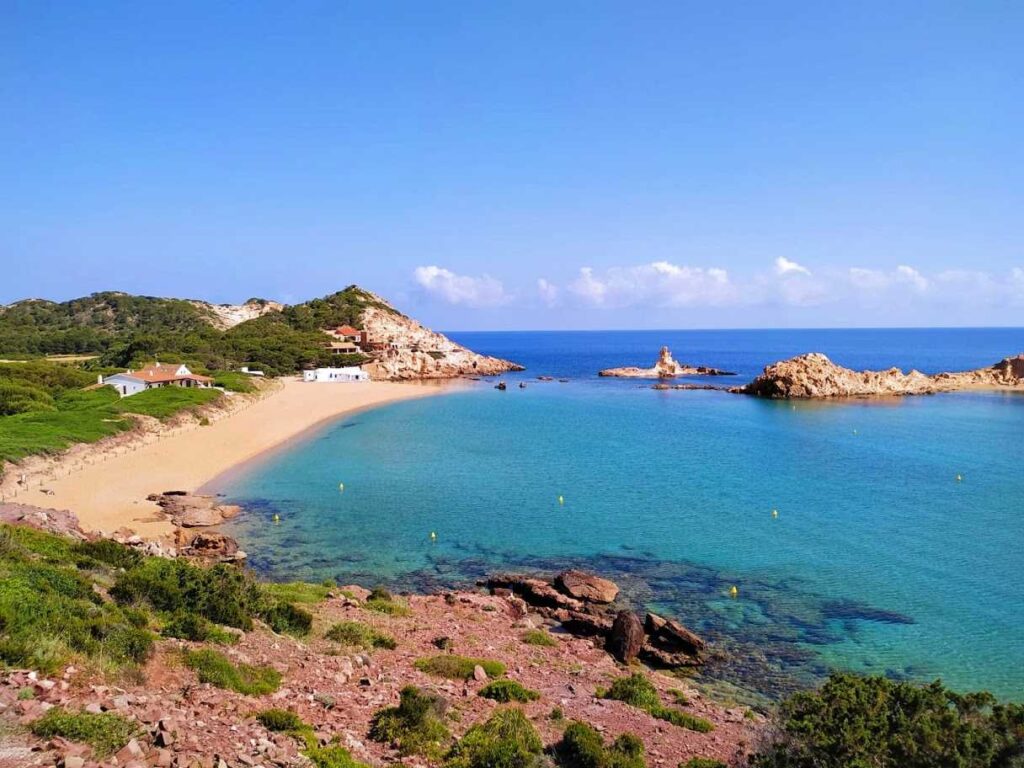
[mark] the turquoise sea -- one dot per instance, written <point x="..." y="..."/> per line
<point x="879" y="559"/>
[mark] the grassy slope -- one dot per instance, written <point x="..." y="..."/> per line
<point x="85" y="417"/>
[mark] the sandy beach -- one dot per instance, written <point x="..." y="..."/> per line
<point x="112" y="493"/>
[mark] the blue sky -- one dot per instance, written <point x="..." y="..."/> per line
<point x="527" y="164"/>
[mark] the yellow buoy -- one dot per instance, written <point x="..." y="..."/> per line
<point x="433" y="536"/>
<point x="733" y="591"/>
<point x="277" y="518"/>
<point x="341" y="487"/>
<point x="959" y="478"/>
<point x="561" y="500"/>
<point x="775" y="513"/>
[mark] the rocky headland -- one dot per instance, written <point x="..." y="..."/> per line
<point x="815" y="376"/>
<point x="409" y="350"/>
<point x="666" y="367"/>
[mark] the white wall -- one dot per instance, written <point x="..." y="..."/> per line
<point x="125" y="385"/>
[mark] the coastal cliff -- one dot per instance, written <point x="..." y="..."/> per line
<point x="666" y="367"/>
<point x="815" y="376"/>
<point x="409" y="350"/>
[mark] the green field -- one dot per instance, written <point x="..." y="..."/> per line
<point x="87" y="416"/>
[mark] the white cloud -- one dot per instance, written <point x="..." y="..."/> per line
<point x="784" y="266"/>
<point x="876" y="282"/>
<point x="548" y="291"/>
<point x="477" y="292"/>
<point x="659" y="283"/>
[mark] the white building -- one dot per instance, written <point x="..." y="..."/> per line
<point x="172" y="375"/>
<point x="349" y="373"/>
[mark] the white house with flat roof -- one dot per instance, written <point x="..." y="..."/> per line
<point x="348" y="373"/>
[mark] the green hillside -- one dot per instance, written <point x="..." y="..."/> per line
<point x="124" y="330"/>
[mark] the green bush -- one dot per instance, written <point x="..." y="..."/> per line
<point x="360" y="635"/>
<point x="109" y="552"/>
<point x="703" y="762"/>
<point x="415" y="726"/>
<point x="389" y="607"/>
<point x="106" y="733"/>
<point x="506" y="740"/>
<point x="281" y="720"/>
<point x="682" y="719"/>
<point x="223" y="594"/>
<point x="458" y="667"/>
<point x="190" y="626"/>
<point x="332" y="756"/>
<point x="539" y="637"/>
<point x="508" y="690"/>
<point x="288" y="619"/>
<point x="874" y="722"/>
<point x="583" y="747"/>
<point x="297" y="592"/>
<point x="217" y="669"/>
<point x="637" y="691"/>
<point x="50" y="611"/>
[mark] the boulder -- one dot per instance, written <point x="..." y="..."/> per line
<point x="672" y="636"/>
<point x="536" y="592"/>
<point x="626" y="638"/>
<point x="587" y="586"/>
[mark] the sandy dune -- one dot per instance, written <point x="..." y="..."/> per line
<point x="112" y="494"/>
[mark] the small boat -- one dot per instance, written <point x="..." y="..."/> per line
<point x="501" y="385"/>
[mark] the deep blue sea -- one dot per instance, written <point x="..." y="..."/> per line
<point x="879" y="559"/>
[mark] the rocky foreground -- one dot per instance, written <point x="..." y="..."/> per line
<point x="666" y="367"/>
<point x="815" y="376"/>
<point x="564" y="640"/>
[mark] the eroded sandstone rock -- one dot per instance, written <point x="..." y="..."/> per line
<point x="666" y="367"/>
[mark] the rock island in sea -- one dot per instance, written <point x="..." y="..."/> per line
<point x="666" y="367"/>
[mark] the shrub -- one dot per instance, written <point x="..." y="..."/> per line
<point x="332" y="756"/>
<point x="288" y="619"/>
<point x="415" y="726"/>
<point x="106" y="733"/>
<point x="458" y="667"/>
<point x="556" y="715"/>
<point x="360" y="635"/>
<point x="109" y="552"/>
<point x="873" y="721"/>
<point x="389" y="607"/>
<point x="506" y="740"/>
<point x="215" y="668"/>
<point x="539" y="637"/>
<point x="298" y="592"/>
<point x="281" y="720"/>
<point x="703" y="762"/>
<point x="637" y="691"/>
<point x="508" y="690"/>
<point x="583" y="747"/>
<point x="223" y="594"/>
<point x="682" y="719"/>
<point x="189" y="626"/>
<point x="380" y="593"/>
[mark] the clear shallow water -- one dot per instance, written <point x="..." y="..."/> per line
<point x="879" y="560"/>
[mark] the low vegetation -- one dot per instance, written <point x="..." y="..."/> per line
<point x="506" y="691"/>
<point x="382" y="601"/>
<point x="217" y="669"/>
<point x="415" y="727"/>
<point x="583" y="747"/>
<point x="458" y="667"/>
<point x="281" y="720"/>
<point x="506" y="740"/>
<point x="298" y="592"/>
<point x="703" y="762"/>
<point x="359" y="635"/>
<point x="539" y="637"/>
<point x="106" y="733"/>
<point x="637" y="691"/>
<point x="49" y="610"/>
<point x="874" y="722"/>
